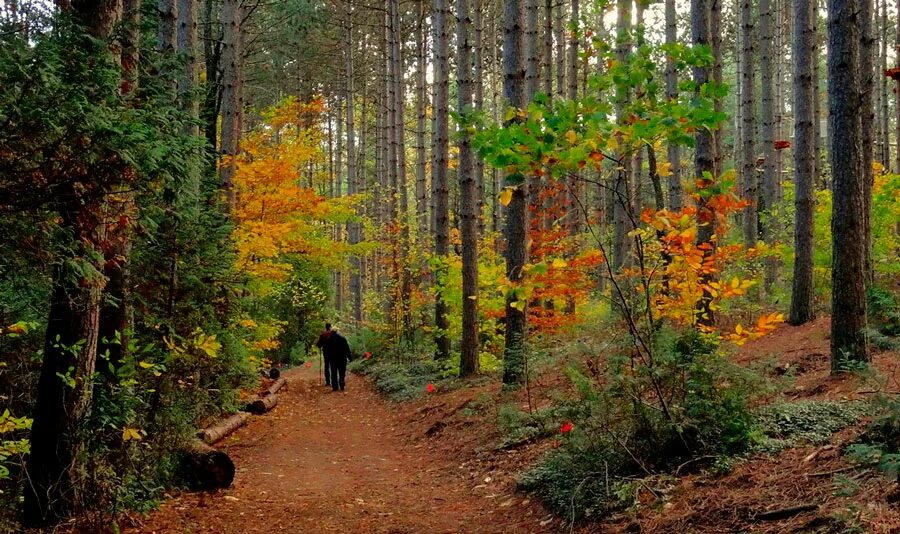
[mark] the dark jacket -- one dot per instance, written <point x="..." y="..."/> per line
<point x="323" y="339"/>
<point x="337" y="347"/>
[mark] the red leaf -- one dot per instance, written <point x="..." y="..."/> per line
<point x="429" y="388"/>
<point x="566" y="427"/>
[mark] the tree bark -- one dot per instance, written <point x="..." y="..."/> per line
<point x="804" y="54"/>
<point x="514" y="357"/>
<point x="223" y="428"/>
<point x="232" y="60"/>
<point x="704" y="152"/>
<point x="421" y="106"/>
<point x="676" y="192"/>
<point x="848" y="276"/>
<point x="440" y="191"/>
<point x="353" y="227"/>
<point x="749" y="177"/>
<point x="867" y="89"/>
<point x="65" y="385"/>
<point x="770" y="178"/>
<point x="468" y="202"/>
<point x="622" y="194"/>
<point x="478" y="60"/>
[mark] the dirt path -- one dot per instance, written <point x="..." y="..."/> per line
<point x="338" y="462"/>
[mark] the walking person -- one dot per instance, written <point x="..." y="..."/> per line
<point x="337" y="349"/>
<point x="321" y="343"/>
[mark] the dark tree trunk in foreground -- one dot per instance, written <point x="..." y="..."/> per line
<point x="468" y="201"/>
<point x="64" y="391"/>
<point x="848" y="275"/>
<point x="439" y="161"/>
<point x="514" y="358"/>
<point x="804" y="54"/>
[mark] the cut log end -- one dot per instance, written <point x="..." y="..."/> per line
<point x="205" y="468"/>
<point x="261" y="405"/>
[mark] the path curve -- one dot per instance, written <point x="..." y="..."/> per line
<point x="336" y="462"/>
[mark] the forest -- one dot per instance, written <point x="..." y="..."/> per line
<point x="605" y="266"/>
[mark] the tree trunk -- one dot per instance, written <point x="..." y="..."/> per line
<point x="749" y="177"/>
<point x="676" y="192"/>
<point x="848" y="276"/>
<point x="65" y="387"/>
<point x="468" y="202"/>
<point x="531" y="49"/>
<point x="704" y="152"/>
<point x="559" y="33"/>
<point x="770" y="178"/>
<point x="622" y="201"/>
<point x="804" y="54"/>
<point x="885" y="155"/>
<point x="353" y="228"/>
<point x="421" y="106"/>
<point x="514" y="357"/>
<point x="337" y="193"/>
<point x="478" y="60"/>
<point x="232" y="60"/>
<point x="715" y="29"/>
<point x="867" y="88"/>
<point x="440" y="191"/>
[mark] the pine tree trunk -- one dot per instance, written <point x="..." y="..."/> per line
<point x="885" y="141"/>
<point x="65" y="387"/>
<point x="803" y="55"/>
<point x="478" y="60"/>
<point x="704" y="151"/>
<point x="440" y="191"/>
<point x="514" y="357"/>
<point x="676" y="192"/>
<point x="770" y="178"/>
<point x="897" y="95"/>
<point x="531" y="49"/>
<point x="749" y="177"/>
<point x="338" y="192"/>
<point x="353" y="228"/>
<point x="715" y="28"/>
<point x="468" y="201"/>
<point x="867" y="88"/>
<point x="232" y="61"/>
<point x="574" y="180"/>
<point x="559" y="33"/>
<point x="622" y="203"/>
<point x="547" y="51"/>
<point x="397" y="65"/>
<point x="848" y="276"/>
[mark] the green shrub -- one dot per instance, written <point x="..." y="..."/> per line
<point x="789" y="424"/>
<point x="641" y="420"/>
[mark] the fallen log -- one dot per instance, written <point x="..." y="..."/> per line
<point x="224" y="427"/>
<point x="782" y="513"/>
<point x="205" y="468"/>
<point x="261" y="405"/>
<point x="275" y="386"/>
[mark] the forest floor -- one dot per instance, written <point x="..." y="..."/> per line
<point x="352" y="462"/>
